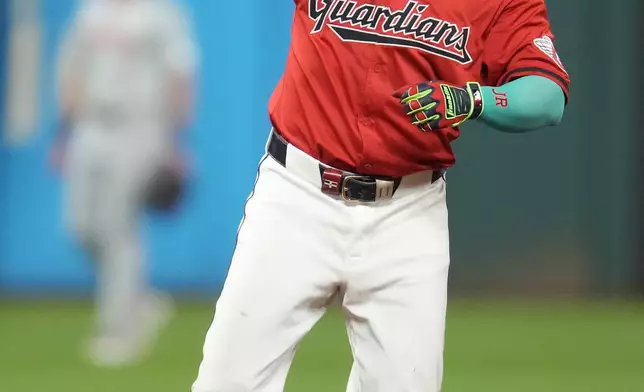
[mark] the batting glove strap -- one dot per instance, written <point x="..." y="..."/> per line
<point x="462" y="103"/>
<point x="476" y="96"/>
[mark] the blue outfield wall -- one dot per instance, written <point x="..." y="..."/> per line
<point x="243" y="47"/>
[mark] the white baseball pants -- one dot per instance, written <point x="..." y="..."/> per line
<point x="298" y="249"/>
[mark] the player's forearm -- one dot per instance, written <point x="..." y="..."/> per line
<point x="523" y="105"/>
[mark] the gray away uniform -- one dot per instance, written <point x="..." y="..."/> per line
<point x="123" y="55"/>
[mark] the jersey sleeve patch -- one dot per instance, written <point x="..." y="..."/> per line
<point x="546" y="45"/>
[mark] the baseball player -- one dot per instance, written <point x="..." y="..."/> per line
<point x="125" y="77"/>
<point x="349" y="201"/>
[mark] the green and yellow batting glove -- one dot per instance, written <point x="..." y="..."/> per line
<point x="438" y="104"/>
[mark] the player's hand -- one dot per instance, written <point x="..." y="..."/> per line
<point x="437" y="104"/>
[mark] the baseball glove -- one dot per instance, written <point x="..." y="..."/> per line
<point x="165" y="189"/>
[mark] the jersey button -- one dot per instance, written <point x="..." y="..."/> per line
<point x="378" y="69"/>
<point x="367" y="166"/>
<point x="366" y="121"/>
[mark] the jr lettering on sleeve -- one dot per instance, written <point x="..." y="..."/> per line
<point x="500" y="98"/>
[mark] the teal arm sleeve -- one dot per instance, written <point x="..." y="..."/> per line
<point x="523" y="105"/>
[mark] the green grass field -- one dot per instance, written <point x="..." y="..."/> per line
<point x="492" y="346"/>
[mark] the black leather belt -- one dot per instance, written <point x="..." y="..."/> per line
<point x="351" y="187"/>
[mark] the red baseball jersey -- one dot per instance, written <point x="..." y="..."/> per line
<point x="347" y="57"/>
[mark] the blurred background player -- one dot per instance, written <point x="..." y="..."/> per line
<point x="125" y="87"/>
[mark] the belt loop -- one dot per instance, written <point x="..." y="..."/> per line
<point x="384" y="189"/>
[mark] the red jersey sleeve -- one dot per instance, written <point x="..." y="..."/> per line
<point x="520" y="43"/>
